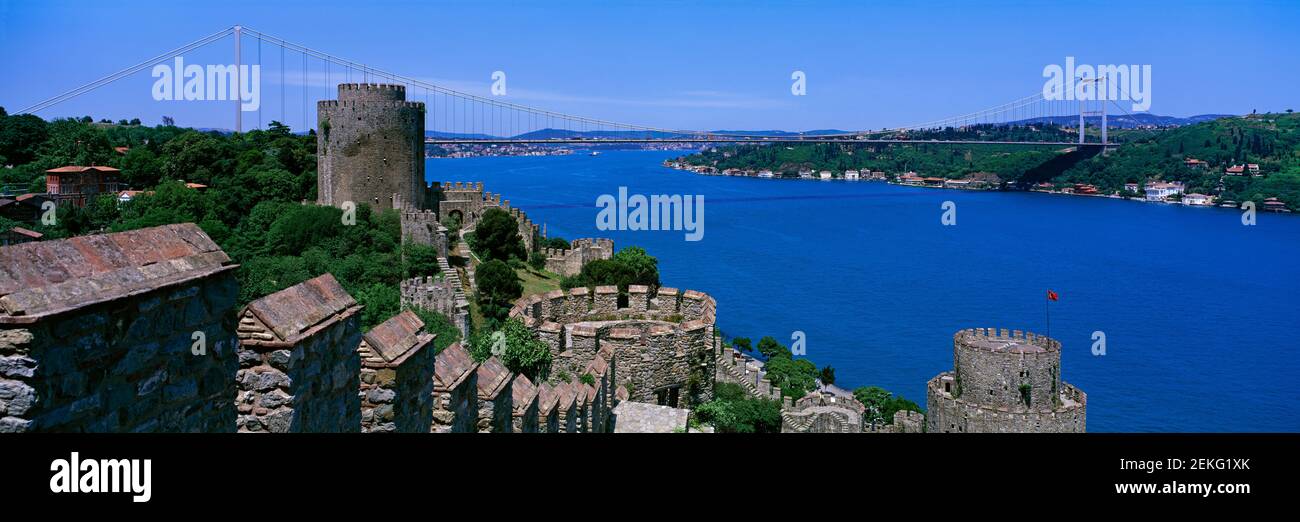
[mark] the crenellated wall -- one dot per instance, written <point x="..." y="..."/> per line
<point x="663" y="341"/>
<point x="569" y="262"/>
<point x="421" y="227"/>
<point x="397" y="367"/>
<point x="1004" y="381"/>
<point x="467" y="201"/>
<point x="441" y="293"/>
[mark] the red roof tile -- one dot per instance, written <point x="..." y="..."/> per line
<point x="452" y="365"/>
<point x="492" y="378"/>
<point x="293" y="311"/>
<point x="77" y="168"/>
<point x="397" y="338"/>
<point x="50" y="277"/>
<point x="522" y="393"/>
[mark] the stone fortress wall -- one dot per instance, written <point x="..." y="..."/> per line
<point x="468" y="202"/>
<point x="569" y="261"/>
<point x="663" y="341"/>
<point x="128" y="332"/>
<point x="441" y="293"/>
<point x="370" y="148"/>
<point x="298" y="363"/>
<point x="1004" y="381"/>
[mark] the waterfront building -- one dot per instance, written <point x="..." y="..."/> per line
<point x="1160" y="191"/>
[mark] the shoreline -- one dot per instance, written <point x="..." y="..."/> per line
<point x="687" y="168"/>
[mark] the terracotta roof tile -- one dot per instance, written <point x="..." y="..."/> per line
<point x="398" y="337"/>
<point x="293" y="311"/>
<point x="452" y="365"/>
<point x="548" y="396"/>
<point x="50" y="277"/>
<point x="522" y="393"/>
<point x="492" y="378"/>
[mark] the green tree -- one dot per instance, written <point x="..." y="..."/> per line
<point x="497" y="236"/>
<point x="881" y="404"/>
<point x="517" y="347"/>
<point x="795" y="377"/>
<point x="743" y="344"/>
<point x="421" y="260"/>
<point x="827" y="375"/>
<point x="498" y="288"/>
<point x="770" y="348"/>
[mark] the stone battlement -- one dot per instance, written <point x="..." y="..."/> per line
<point x="371" y="92"/>
<point x="664" y="340"/>
<point x="441" y="293"/>
<point x="367" y="104"/>
<point x="466" y="202"/>
<point x="736" y="368"/>
<point x="692" y="310"/>
<point x="1004" y="380"/>
<point x="1006" y="341"/>
<point x="569" y="261"/>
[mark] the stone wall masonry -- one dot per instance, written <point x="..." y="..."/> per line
<point x="299" y="367"/>
<point x="661" y="340"/>
<point x="397" y="374"/>
<point x="455" y="391"/>
<point x="123" y="332"/>
<point x="733" y="367"/>
<point x="126" y="365"/>
<point x="370" y="148"/>
<point x="421" y="227"/>
<point x="1004" y="381"/>
<point x="524" y="401"/>
<point x="948" y="414"/>
<point x="495" y="397"/>
<point x="469" y="201"/>
<point x="997" y="368"/>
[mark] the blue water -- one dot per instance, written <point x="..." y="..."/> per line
<point x="1199" y="312"/>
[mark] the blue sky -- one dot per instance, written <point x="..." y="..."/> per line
<point x="699" y="65"/>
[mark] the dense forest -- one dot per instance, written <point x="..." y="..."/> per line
<point x="1269" y="140"/>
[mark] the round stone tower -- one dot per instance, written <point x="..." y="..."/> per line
<point x="370" y="148"/>
<point x="1004" y="382"/>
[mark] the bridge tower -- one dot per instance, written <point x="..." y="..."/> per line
<point x="1097" y="85"/>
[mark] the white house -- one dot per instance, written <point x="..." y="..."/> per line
<point x="825" y="174"/>
<point x="1199" y="200"/>
<point x="851" y="175"/>
<point x="1160" y="190"/>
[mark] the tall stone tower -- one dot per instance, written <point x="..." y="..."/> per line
<point x="1004" y="382"/>
<point x="370" y="148"/>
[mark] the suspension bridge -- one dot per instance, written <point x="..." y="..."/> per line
<point x="459" y="118"/>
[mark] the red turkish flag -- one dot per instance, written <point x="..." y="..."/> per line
<point x="1052" y="296"/>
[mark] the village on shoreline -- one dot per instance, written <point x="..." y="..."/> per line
<point x="1154" y="190"/>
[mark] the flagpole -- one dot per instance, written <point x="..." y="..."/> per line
<point x="1047" y="306"/>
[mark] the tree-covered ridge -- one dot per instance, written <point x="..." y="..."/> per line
<point x="1269" y="140"/>
<point x="927" y="159"/>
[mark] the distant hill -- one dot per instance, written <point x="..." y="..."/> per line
<point x="1129" y="121"/>
<point x="546" y="134"/>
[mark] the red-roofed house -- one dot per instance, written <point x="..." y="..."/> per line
<point x="75" y="185"/>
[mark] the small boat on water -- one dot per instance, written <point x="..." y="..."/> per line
<point x="595" y="153"/>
